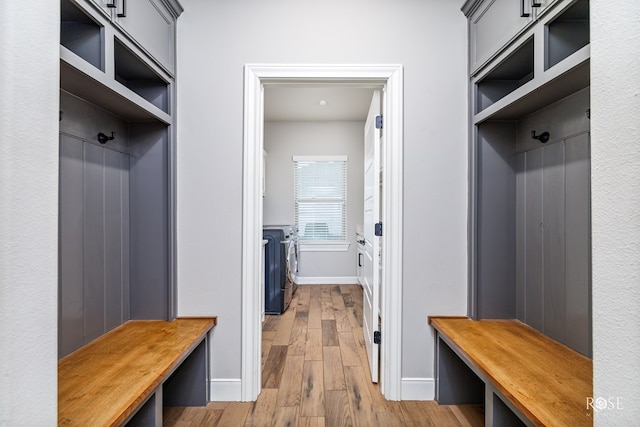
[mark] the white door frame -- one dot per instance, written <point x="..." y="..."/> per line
<point x="255" y="77"/>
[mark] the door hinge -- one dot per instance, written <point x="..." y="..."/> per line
<point x="376" y="337"/>
<point x="378" y="229"/>
<point x="378" y="122"/>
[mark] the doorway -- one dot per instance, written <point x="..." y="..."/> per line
<point x="256" y="77"/>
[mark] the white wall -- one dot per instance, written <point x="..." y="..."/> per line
<point x="615" y="160"/>
<point x="215" y="41"/>
<point x="282" y="140"/>
<point x="29" y="81"/>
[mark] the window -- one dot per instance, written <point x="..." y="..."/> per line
<point x="320" y="198"/>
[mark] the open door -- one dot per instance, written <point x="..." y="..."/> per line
<point x="371" y="285"/>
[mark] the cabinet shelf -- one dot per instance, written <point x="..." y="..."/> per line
<point x="567" y="77"/>
<point x="515" y="71"/>
<point x="133" y="73"/>
<point x="83" y="80"/>
<point x="567" y="34"/>
<point x="81" y="34"/>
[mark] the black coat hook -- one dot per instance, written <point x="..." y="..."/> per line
<point x="102" y="138"/>
<point x="543" y="137"/>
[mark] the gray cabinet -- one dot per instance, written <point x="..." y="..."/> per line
<point x="117" y="207"/>
<point x="152" y="25"/>
<point x="492" y="24"/>
<point x="149" y="25"/>
<point x="103" y="5"/>
<point x="545" y="62"/>
<point x="108" y="67"/>
<point x="529" y="209"/>
<point x="543" y="5"/>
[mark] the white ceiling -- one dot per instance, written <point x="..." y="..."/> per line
<point x="297" y="103"/>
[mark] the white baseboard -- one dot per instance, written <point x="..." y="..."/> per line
<point x="225" y="390"/>
<point x="230" y="390"/>
<point x="418" y="389"/>
<point x="347" y="280"/>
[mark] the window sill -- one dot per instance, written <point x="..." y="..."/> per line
<point x="311" y="246"/>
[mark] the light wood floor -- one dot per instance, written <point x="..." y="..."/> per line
<point x="315" y="372"/>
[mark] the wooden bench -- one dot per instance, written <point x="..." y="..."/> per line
<point x="520" y="375"/>
<point x="126" y="375"/>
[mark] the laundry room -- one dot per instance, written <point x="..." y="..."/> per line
<point x="314" y="157"/>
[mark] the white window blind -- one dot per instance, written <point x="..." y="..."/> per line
<point x="321" y="197"/>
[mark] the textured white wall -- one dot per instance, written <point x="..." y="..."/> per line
<point x="615" y="159"/>
<point x="283" y="140"/>
<point x="29" y="81"/>
<point x="215" y="40"/>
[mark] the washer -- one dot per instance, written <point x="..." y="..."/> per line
<point x="281" y="265"/>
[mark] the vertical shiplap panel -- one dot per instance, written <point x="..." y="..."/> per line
<point x="521" y="219"/>
<point x="555" y="265"/>
<point x="71" y="326"/>
<point x="113" y="272"/>
<point x="124" y="186"/>
<point x="534" y="303"/>
<point x="553" y="241"/>
<point x="578" y="244"/>
<point x="93" y="241"/>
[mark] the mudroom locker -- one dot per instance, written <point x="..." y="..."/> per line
<point x="117" y="150"/>
<point x="533" y="221"/>
<point x="114" y="223"/>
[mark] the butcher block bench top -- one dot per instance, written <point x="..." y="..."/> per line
<point x="547" y="381"/>
<point x="102" y="383"/>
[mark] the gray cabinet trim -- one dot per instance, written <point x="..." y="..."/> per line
<point x="470" y="6"/>
<point x="174" y="7"/>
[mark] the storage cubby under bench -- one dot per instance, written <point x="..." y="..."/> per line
<point x="521" y="376"/>
<point x="127" y="375"/>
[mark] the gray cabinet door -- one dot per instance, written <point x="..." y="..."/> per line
<point x="492" y="26"/>
<point x="102" y="5"/>
<point x="544" y="4"/>
<point x="150" y="24"/>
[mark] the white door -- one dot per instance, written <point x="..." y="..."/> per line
<point x="371" y="285"/>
